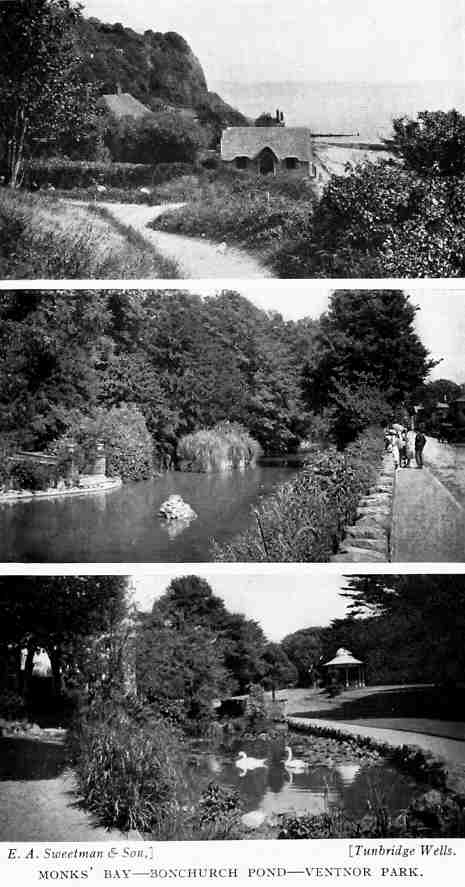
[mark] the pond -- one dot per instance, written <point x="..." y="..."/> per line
<point x="334" y="783"/>
<point x="124" y="525"/>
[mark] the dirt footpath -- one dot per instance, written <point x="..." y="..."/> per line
<point x="197" y="258"/>
<point x="38" y="795"/>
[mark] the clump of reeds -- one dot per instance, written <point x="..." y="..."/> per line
<point x="225" y="447"/>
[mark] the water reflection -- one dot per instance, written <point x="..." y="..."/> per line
<point x="270" y="790"/>
<point x="174" y="528"/>
<point x="124" y="525"/>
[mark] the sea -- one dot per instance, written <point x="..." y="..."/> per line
<point x="363" y="109"/>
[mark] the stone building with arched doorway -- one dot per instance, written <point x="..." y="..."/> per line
<point x="269" y="150"/>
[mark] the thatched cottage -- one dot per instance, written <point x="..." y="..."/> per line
<point x="269" y="149"/>
<point x="123" y="104"/>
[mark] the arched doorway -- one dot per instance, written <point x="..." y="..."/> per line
<point x="266" y="162"/>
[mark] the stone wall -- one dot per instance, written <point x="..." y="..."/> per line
<point x="369" y="538"/>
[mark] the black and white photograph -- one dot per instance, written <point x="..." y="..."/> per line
<point x="227" y="707"/>
<point x="232" y="441"/>
<point x="176" y="426"/>
<point x="255" y="139"/>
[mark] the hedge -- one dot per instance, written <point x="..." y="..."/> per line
<point x="67" y="174"/>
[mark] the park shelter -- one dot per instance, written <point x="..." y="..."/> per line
<point x="269" y="149"/>
<point x="346" y="669"/>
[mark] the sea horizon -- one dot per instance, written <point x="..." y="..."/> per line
<point x="366" y="108"/>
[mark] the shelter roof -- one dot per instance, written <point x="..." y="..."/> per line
<point x="284" y="141"/>
<point x="344" y="658"/>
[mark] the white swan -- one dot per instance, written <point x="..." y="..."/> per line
<point x="245" y="763"/>
<point x="294" y="764"/>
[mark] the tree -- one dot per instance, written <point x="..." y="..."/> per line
<point x="266" y="119"/>
<point x="65" y="615"/>
<point x="40" y="91"/>
<point x="180" y="670"/>
<point x="53" y="346"/>
<point x="190" y="603"/>
<point x="155" y="138"/>
<point x="433" y="144"/>
<point x="280" y="671"/>
<point x="304" y="649"/>
<point x="407" y="627"/>
<point x="365" y="340"/>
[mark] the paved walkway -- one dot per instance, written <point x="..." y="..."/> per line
<point x="451" y="750"/>
<point x="428" y="522"/>
<point x="41" y="803"/>
<point x="196" y="258"/>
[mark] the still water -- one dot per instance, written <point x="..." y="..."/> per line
<point x="331" y="784"/>
<point x="124" y="525"/>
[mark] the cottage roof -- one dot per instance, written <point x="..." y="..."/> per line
<point x="284" y="141"/>
<point x="344" y="658"/>
<point x="123" y="104"/>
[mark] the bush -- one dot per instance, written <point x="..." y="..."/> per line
<point x="381" y="220"/>
<point x="128" y="444"/>
<point x="304" y="519"/>
<point x="12" y="705"/>
<point x="71" y="174"/>
<point x="218" y="816"/>
<point x="32" y="476"/>
<point x="243" y="209"/>
<point x="127" y="771"/>
<point x="162" y="137"/>
<point x="226" y="446"/>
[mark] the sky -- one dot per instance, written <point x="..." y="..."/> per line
<point x="272" y="40"/>
<point x="440" y="322"/>
<point x="282" y="602"/>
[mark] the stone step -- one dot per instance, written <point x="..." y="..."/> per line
<point x="370" y="532"/>
<point x="379" y="545"/>
<point x="358" y="555"/>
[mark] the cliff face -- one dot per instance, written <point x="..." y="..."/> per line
<point x="150" y="66"/>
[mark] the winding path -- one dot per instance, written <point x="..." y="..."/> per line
<point x="452" y="750"/>
<point x="196" y="258"/>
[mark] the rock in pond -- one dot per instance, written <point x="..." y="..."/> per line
<point x="174" y="508"/>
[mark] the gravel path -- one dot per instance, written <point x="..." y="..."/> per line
<point x="196" y="258"/>
<point x="451" y="750"/>
<point x="428" y="522"/>
<point x="41" y="802"/>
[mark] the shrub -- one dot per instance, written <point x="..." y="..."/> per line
<point x="128" y="444"/>
<point x="32" y="476"/>
<point x="256" y="709"/>
<point x="12" y="705"/>
<point x="71" y="174"/>
<point x="381" y="220"/>
<point x="243" y="209"/>
<point x="127" y="770"/>
<point x="217" y="817"/>
<point x="161" y="137"/>
<point x="226" y="446"/>
<point x="304" y="519"/>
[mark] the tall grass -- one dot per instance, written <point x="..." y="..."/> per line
<point x="128" y="770"/>
<point x="251" y="211"/>
<point x="41" y="237"/>
<point x="305" y="518"/>
<point x="225" y="447"/>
